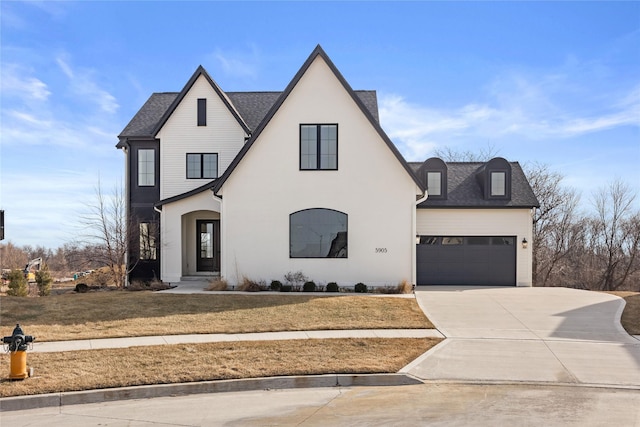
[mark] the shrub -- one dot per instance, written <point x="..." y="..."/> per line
<point x="17" y="284"/>
<point x="44" y="280"/>
<point x="332" y="287"/>
<point x="295" y="280"/>
<point x="285" y="288"/>
<point x="309" y="287"/>
<point x="405" y="287"/>
<point x="218" y="285"/>
<point x="275" y="285"/>
<point x="248" y="285"/>
<point x="360" y="288"/>
<point x="82" y="288"/>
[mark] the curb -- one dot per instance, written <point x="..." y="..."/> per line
<point x="19" y="403"/>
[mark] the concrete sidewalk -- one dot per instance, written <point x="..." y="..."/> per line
<point x="547" y="335"/>
<point x="53" y="346"/>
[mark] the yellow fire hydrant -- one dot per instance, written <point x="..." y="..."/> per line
<point x="17" y="346"/>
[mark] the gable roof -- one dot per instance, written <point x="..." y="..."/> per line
<point x="318" y="51"/>
<point x="200" y="71"/>
<point x="464" y="191"/>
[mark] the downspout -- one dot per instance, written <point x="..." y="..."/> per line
<point x="414" y="261"/>
<point x="127" y="207"/>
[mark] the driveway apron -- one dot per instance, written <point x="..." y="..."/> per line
<point x="549" y="335"/>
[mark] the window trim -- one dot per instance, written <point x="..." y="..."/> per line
<point x="346" y="216"/>
<point x="201" y="165"/>
<point x="318" y="147"/>
<point x="202" y="111"/>
<point x="147" y="173"/>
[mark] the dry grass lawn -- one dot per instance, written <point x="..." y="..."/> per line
<point x="93" y="369"/>
<point x="120" y="314"/>
<point x="631" y="315"/>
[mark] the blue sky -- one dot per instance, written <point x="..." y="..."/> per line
<point x="550" y="82"/>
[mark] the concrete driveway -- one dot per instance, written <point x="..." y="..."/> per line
<point x="548" y="335"/>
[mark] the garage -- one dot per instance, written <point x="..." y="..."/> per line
<point x="466" y="260"/>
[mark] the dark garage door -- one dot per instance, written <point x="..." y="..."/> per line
<point x="466" y="260"/>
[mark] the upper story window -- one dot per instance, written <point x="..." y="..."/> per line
<point x="202" y="165"/>
<point x="498" y="184"/>
<point x="146" y="167"/>
<point x="202" y="111"/>
<point x="494" y="178"/>
<point x="434" y="183"/>
<point x="318" y="233"/>
<point x="319" y="147"/>
<point x="434" y="172"/>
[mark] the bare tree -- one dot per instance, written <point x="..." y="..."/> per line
<point x="483" y="155"/>
<point x="615" y="231"/>
<point x="555" y="223"/>
<point x="106" y="228"/>
<point x="12" y="257"/>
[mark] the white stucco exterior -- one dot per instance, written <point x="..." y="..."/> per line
<point x="178" y="233"/>
<point x="371" y="186"/>
<point x="252" y="207"/>
<point x="484" y="222"/>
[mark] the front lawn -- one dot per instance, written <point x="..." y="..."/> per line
<point x="94" y="369"/>
<point x="124" y="314"/>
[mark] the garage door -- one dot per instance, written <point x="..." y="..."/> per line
<point x="466" y="260"/>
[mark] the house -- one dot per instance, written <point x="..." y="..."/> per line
<point x="258" y="184"/>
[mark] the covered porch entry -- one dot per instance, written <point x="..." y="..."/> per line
<point x="200" y="244"/>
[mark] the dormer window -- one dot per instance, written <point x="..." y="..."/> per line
<point x="434" y="183"/>
<point x="494" y="178"/>
<point x="434" y="173"/>
<point x="498" y="184"/>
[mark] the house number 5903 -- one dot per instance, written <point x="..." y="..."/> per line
<point x="381" y="250"/>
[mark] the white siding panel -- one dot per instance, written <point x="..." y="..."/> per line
<point x="181" y="135"/>
<point x="483" y="222"/>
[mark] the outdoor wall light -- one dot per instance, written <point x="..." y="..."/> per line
<point x="417" y="239"/>
<point x="525" y="244"/>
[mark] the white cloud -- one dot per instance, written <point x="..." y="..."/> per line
<point x="81" y="84"/>
<point x="515" y="107"/>
<point x="16" y="83"/>
<point x="238" y="64"/>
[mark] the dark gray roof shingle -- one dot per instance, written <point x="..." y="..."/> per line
<point x="147" y="117"/>
<point x="252" y="107"/>
<point x="464" y="191"/>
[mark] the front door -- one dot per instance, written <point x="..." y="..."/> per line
<point x="208" y="245"/>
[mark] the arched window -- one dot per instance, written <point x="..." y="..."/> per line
<point x="318" y="233"/>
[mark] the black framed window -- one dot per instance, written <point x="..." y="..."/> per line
<point x="146" y="167"/>
<point x="318" y="233"/>
<point x="148" y="231"/>
<point x="202" y="165"/>
<point x="202" y="111"/>
<point x="319" y="147"/>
